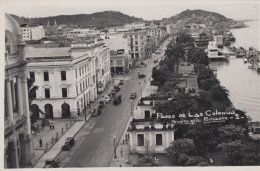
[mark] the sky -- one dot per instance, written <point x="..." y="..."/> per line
<point x="146" y="9"/>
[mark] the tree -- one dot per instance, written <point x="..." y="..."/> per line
<point x="207" y="84"/>
<point x="231" y="132"/>
<point x="239" y="153"/>
<point x="181" y="147"/>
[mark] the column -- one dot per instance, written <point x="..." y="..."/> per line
<point x="26" y="111"/>
<point x="9" y="101"/>
<point x="19" y="93"/>
<point x="13" y="93"/>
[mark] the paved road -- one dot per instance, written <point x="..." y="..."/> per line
<point x="94" y="142"/>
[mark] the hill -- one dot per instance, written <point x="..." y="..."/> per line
<point x="99" y="20"/>
<point x="199" y="17"/>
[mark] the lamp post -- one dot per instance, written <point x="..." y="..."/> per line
<point x="131" y="107"/>
<point x="114" y="146"/>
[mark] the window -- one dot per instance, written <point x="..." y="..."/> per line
<point x="64" y="92"/>
<point x="63" y="75"/>
<point x="136" y="48"/>
<point x="76" y="73"/>
<point x="119" y="62"/>
<point x="47" y="93"/>
<point x="79" y="71"/>
<point x="137" y="55"/>
<point x="147" y="114"/>
<point x="46" y="76"/>
<point x="158" y="139"/>
<point x="136" y="42"/>
<point x="32" y="75"/>
<point x="140" y="139"/>
<point x="77" y="90"/>
<point x="80" y="88"/>
<point x="132" y="55"/>
<point x="84" y="85"/>
<point x="136" y="36"/>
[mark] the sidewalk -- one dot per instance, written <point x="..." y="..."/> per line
<point x="53" y="149"/>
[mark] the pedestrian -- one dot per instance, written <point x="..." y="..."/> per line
<point x="50" y="126"/>
<point x="126" y="141"/>
<point x="128" y="136"/>
<point x="121" y="152"/>
<point x="123" y="141"/>
<point x="43" y="125"/>
<point x="53" y="127"/>
<point x="40" y="142"/>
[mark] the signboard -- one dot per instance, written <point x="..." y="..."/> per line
<point x="206" y="117"/>
<point x="120" y="51"/>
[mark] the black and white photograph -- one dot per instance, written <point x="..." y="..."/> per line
<point x="127" y="83"/>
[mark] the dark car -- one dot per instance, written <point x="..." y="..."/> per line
<point x="102" y="103"/>
<point x="142" y="63"/>
<point x="155" y="61"/>
<point x="69" y="143"/>
<point x="113" y="92"/>
<point x="133" y="95"/>
<point x="121" y="82"/>
<point x="141" y="75"/>
<point x="117" y="99"/>
<point x="96" y="111"/>
<point x="52" y="163"/>
<point x="117" y="89"/>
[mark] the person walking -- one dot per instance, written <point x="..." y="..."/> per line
<point x="121" y="152"/>
<point x="40" y="142"/>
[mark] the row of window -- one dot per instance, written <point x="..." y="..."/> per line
<point x="136" y="49"/>
<point x="140" y="139"/>
<point x="136" y="36"/>
<point x="46" y="76"/>
<point x="48" y="94"/>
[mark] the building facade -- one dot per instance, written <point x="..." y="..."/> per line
<point x="137" y="43"/>
<point x="32" y="32"/>
<point x="146" y="131"/>
<point x="67" y="77"/>
<point x="18" y="146"/>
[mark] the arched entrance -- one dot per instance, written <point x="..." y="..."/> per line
<point x="10" y="153"/>
<point x="22" y="161"/>
<point x="35" y="112"/>
<point x="49" y="111"/>
<point x="78" y="108"/>
<point x="65" y="110"/>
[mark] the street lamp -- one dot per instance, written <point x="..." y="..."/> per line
<point x="131" y="107"/>
<point x="114" y="146"/>
<point x="140" y="89"/>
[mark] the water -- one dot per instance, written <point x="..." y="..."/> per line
<point x="243" y="83"/>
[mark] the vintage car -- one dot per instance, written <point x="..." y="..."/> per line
<point x="141" y="75"/>
<point x="121" y="82"/>
<point x="52" y="163"/>
<point x="133" y="95"/>
<point x="96" y="111"/>
<point x="117" y="99"/>
<point x="69" y="143"/>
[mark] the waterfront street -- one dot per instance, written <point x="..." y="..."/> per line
<point x="94" y="142"/>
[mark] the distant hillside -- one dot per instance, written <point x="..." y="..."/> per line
<point x="199" y="17"/>
<point x="98" y="20"/>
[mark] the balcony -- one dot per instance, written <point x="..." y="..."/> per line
<point x="152" y="124"/>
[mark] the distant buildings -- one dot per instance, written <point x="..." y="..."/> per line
<point x="51" y="30"/>
<point x="18" y="145"/>
<point x="32" y="32"/>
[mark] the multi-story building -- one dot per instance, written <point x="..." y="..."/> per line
<point x="120" y="62"/>
<point x="137" y="42"/>
<point x="67" y="77"/>
<point x="146" y="130"/>
<point x="136" y="25"/>
<point x="18" y="147"/>
<point x="32" y="32"/>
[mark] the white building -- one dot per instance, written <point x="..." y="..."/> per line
<point x="146" y="131"/>
<point x="32" y="32"/>
<point x="18" y="146"/>
<point x="136" y="25"/>
<point x="68" y="77"/>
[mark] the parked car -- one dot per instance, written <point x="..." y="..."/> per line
<point x="96" y="111"/>
<point x="142" y="63"/>
<point x="52" y="163"/>
<point x="117" y="89"/>
<point x="102" y="103"/>
<point x="107" y="99"/>
<point x="69" y="143"/>
<point x="133" y="95"/>
<point x="113" y="92"/>
<point x="117" y="99"/>
<point x="141" y="75"/>
<point x="121" y="82"/>
<point x="155" y="61"/>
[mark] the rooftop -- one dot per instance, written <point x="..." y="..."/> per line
<point x="47" y="52"/>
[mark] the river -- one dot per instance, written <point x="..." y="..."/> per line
<point x="243" y="83"/>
